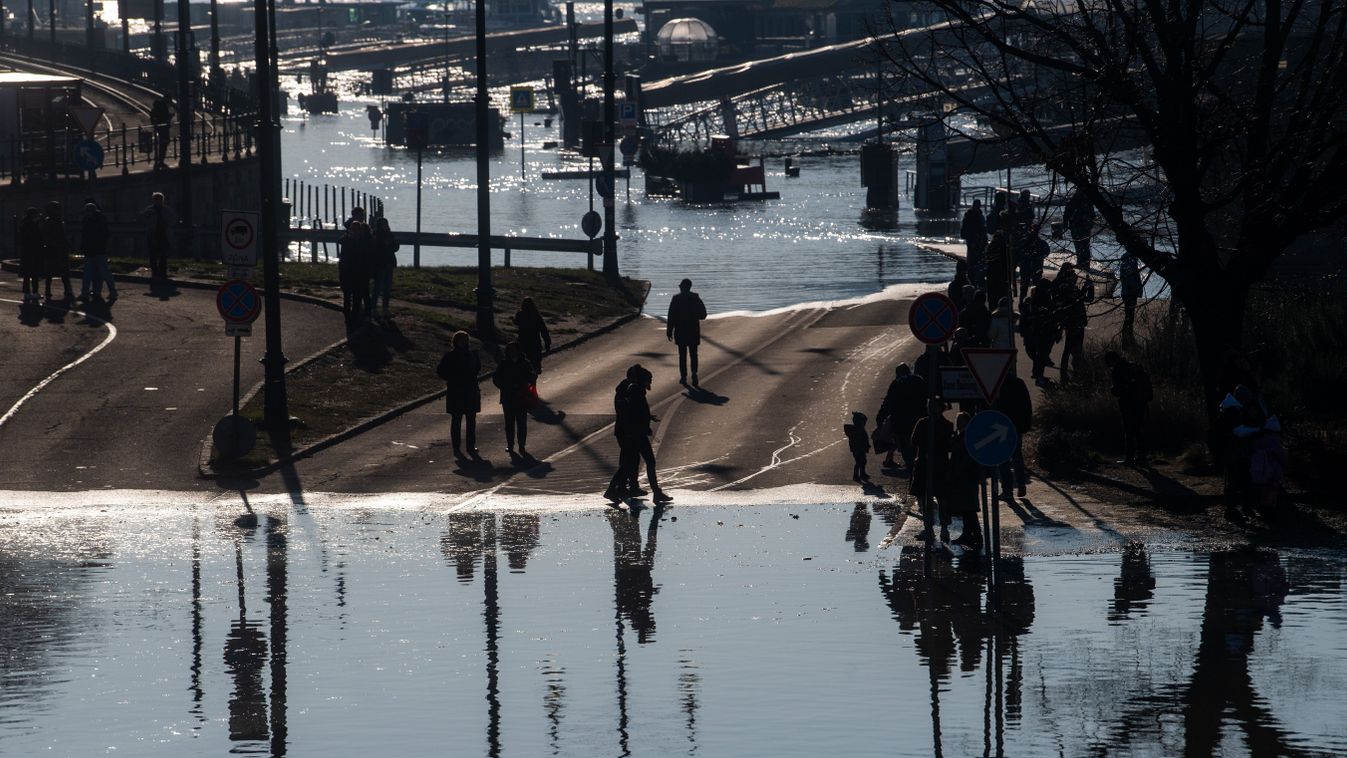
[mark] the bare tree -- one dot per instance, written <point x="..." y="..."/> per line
<point x="1241" y="105"/>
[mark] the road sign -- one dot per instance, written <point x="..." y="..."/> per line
<point x="990" y="438"/>
<point x="933" y="318"/>
<point x="521" y="99"/>
<point x="238" y="238"/>
<point x="626" y="113"/>
<point x="603" y="184"/>
<point x="238" y="302"/>
<point x="238" y="330"/>
<point x="87" y="116"/>
<point x="591" y="223"/>
<point x="416" y="128"/>
<point x="956" y="383"/>
<point x="87" y="155"/>
<point x="628" y="145"/>
<point x="989" y="366"/>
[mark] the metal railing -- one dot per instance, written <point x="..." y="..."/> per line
<point x="50" y="154"/>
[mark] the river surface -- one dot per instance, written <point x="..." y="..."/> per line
<point x="783" y="630"/>
<point x="817" y="243"/>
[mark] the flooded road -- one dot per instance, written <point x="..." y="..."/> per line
<point x="361" y="628"/>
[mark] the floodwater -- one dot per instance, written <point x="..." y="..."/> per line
<point x="775" y="630"/>
<point x="817" y="243"/>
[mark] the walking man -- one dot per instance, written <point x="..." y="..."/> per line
<point x="633" y="436"/>
<point x="973" y="230"/>
<point x="94" y="246"/>
<point x="1132" y="386"/>
<point x="160" y="219"/>
<point x="686" y="312"/>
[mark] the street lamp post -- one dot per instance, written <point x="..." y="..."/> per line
<point x="276" y="407"/>
<point x="609" y="116"/>
<point x="486" y="317"/>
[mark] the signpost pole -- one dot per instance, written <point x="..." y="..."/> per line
<point x="932" y="413"/>
<point x="416" y="245"/>
<point x="523" y="168"/>
<point x="237" y="345"/>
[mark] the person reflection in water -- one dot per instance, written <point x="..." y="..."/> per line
<point x="1135" y="587"/>
<point x="858" y="529"/>
<point x="519" y="538"/>
<point x="634" y="587"/>
<point x="462" y="544"/>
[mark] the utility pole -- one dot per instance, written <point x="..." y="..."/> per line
<point x="88" y="23"/>
<point x="277" y="408"/>
<point x="159" y="52"/>
<point x="214" y="39"/>
<point x="185" y="58"/>
<point x="609" y="116"/>
<point x="486" y="294"/>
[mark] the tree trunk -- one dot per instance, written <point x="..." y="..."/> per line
<point x="1216" y="309"/>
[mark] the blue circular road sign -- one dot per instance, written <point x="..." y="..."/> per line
<point x="238" y="302"/>
<point x="87" y="155"/>
<point x="990" y="438"/>
<point x="933" y="318"/>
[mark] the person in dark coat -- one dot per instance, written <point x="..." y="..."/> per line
<point x="354" y="262"/>
<point x="1033" y="254"/>
<point x="973" y="231"/>
<point x="939" y="457"/>
<point x="633" y="430"/>
<point x="1071" y="300"/>
<point x="514" y="376"/>
<point x="1079" y="219"/>
<point x="858" y="442"/>
<point x="955" y="289"/>
<point x="965" y="476"/>
<point x="903" y="404"/>
<point x="1038" y="326"/>
<point x="997" y="217"/>
<point x="532" y="333"/>
<point x="998" y="267"/>
<point x="459" y="368"/>
<point x="56" y="250"/>
<point x="683" y="326"/>
<point x="159" y="219"/>
<point x="976" y="317"/>
<point x="624" y="484"/>
<point x="94" y="247"/>
<point x="30" y="253"/>
<point x="1132" y="386"/>
<point x="1014" y="401"/>
<point x="386" y="254"/>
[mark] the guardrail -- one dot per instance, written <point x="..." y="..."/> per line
<point x="51" y="153"/>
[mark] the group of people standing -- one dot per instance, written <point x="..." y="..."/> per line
<point x="367" y="257"/>
<point x="516" y="377"/>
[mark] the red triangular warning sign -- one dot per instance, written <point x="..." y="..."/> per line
<point x="87" y="117"/>
<point x="989" y="366"/>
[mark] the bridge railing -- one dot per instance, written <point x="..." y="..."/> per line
<point x="50" y="154"/>
<point x="160" y="77"/>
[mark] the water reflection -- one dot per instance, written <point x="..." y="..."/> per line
<point x="953" y="616"/>
<point x="858" y="529"/>
<point x="634" y="587"/>
<point x="1134" y="588"/>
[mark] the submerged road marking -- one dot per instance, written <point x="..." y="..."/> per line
<point x="112" y="335"/>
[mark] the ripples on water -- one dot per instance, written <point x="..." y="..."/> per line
<point x="724" y="631"/>
<point x="816" y="243"/>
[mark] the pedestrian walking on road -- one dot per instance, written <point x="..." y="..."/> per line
<point x="965" y="476"/>
<point x="532" y="333"/>
<point x="1079" y="219"/>
<point x="975" y="317"/>
<point x="955" y="289"/>
<point x="1132" y="386"/>
<point x="459" y="368"/>
<point x="161" y="116"/>
<point x="997" y="220"/>
<point x="514" y="377"/>
<point x="1014" y="401"/>
<point x="1071" y="300"/>
<point x="94" y="247"/>
<point x="973" y="230"/>
<point x="859" y="444"/>
<point x="1038" y="326"/>
<point x="386" y="253"/>
<point x="633" y="430"/>
<point x="160" y="221"/>
<point x="998" y="266"/>
<point x="31" y="252"/>
<point x="355" y="261"/>
<point x="938" y="455"/>
<point x="1033" y="254"/>
<point x="56" y="250"/>
<point x="903" y="404"/>
<point x="684" y="327"/>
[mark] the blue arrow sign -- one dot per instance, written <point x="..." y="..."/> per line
<point x="87" y="155"/>
<point x="990" y="438"/>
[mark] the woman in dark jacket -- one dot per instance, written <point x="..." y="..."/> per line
<point x="533" y="336"/>
<point x="459" y="369"/>
<point x="30" y="253"/>
<point x="56" y="257"/>
<point x="514" y="376"/>
<point x="353" y="271"/>
<point x="386" y="253"/>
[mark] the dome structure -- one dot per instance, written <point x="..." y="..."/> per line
<point x="687" y="40"/>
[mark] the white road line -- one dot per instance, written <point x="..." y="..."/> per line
<point x="112" y="335"/>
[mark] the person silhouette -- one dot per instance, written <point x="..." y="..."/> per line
<point x="683" y="326"/>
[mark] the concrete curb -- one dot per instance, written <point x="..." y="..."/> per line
<point x="206" y="472"/>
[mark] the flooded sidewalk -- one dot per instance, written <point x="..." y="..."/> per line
<point x="322" y="627"/>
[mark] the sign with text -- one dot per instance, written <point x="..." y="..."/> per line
<point x="238" y="238"/>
